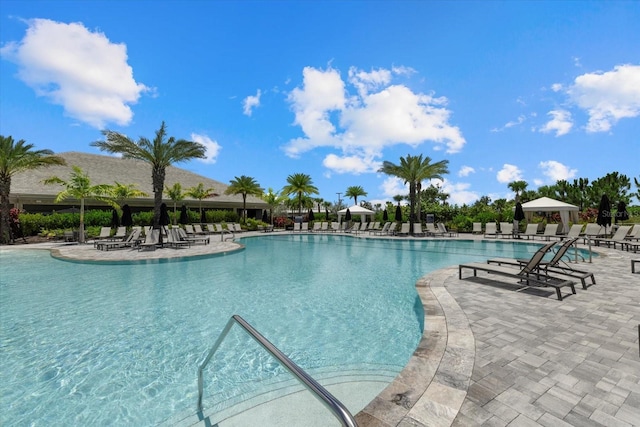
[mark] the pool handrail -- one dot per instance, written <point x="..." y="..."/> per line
<point x="319" y="392"/>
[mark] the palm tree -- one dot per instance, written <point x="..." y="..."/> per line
<point x="517" y="187"/>
<point x="247" y="186"/>
<point x="79" y="187"/>
<point x="413" y="170"/>
<point x="272" y="199"/>
<point x="200" y="193"/>
<point x="176" y="195"/>
<point x="18" y="157"/>
<point x="160" y="153"/>
<point x="121" y="192"/>
<point x="299" y="184"/>
<point x="355" y="191"/>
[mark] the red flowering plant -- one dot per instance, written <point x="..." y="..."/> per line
<point x="281" y="221"/>
<point x="14" y="216"/>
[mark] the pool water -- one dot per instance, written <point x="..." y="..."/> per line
<point x="120" y="344"/>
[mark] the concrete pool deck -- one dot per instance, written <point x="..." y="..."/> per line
<point x="495" y="355"/>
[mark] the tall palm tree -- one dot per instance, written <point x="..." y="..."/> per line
<point x="247" y="186"/>
<point x="299" y="184"/>
<point x="160" y="153"/>
<point x="413" y="170"/>
<point x="355" y="191"/>
<point x="79" y="187"/>
<point x="176" y="195"/>
<point x="200" y="193"/>
<point x="517" y="187"/>
<point x="18" y="157"/>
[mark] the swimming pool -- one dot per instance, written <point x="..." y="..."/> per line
<point x="85" y="343"/>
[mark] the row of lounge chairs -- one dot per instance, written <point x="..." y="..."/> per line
<point x="536" y="272"/>
<point x="174" y="237"/>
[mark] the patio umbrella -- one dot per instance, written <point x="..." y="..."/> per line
<point x="622" y="213"/>
<point x="265" y="218"/>
<point x="326" y="212"/>
<point x="203" y="216"/>
<point x="127" y="220"/>
<point x="184" y="217"/>
<point x="115" y="220"/>
<point x="311" y="215"/>
<point x="398" y="213"/>
<point x="518" y="216"/>
<point x="604" y="212"/>
<point x="347" y="215"/>
<point x="385" y="215"/>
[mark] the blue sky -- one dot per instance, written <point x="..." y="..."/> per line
<point x="503" y="90"/>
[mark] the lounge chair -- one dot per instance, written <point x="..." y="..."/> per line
<point x="105" y="234"/>
<point x="574" y="232"/>
<point x="417" y="229"/>
<point x="197" y="228"/>
<point x="316" y="227"/>
<point x="555" y="265"/>
<point x="618" y="238"/>
<point x="634" y="234"/>
<point x="383" y="230"/>
<point x="477" y="228"/>
<point x="432" y="231"/>
<point x="374" y="227"/>
<point x="506" y="229"/>
<point x="393" y="229"/>
<point x="550" y="230"/>
<point x="443" y="229"/>
<point x="592" y="231"/>
<point x="528" y="274"/>
<point x="404" y="229"/>
<point x="182" y="235"/>
<point x="531" y="231"/>
<point x="151" y="240"/>
<point x="491" y="229"/>
<point x="175" y="241"/>
<point x="130" y="241"/>
<point x="304" y="227"/>
<point x="188" y="228"/>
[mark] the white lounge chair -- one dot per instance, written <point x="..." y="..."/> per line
<point x="404" y="229"/>
<point x="443" y="229"/>
<point x="432" y="231"/>
<point x="619" y="238"/>
<point x="506" y="229"/>
<point x="531" y="231"/>
<point x="550" y="230"/>
<point x="491" y="229"/>
<point x="477" y="228"/>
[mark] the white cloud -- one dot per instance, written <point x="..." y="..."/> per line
<point x="350" y="164"/>
<point x="560" y="122"/>
<point x="211" y="146"/>
<point x="251" y="102"/>
<point x="380" y="115"/>
<point x="466" y="171"/>
<point x="76" y="68"/>
<point x="608" y="97"/>
<point x="509" y="173"/>
<point x="519" y="121"/>
<point x="556" y="171"/>
<point x="393" y="186"/>
<point x="459" y="193"/>
<point x="556" y="87"/>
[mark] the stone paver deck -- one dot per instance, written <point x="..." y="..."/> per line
<point x="498" y="356"/>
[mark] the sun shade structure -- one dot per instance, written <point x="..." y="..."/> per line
<point x="567" y="211"/>
<point x="356" y="210"/>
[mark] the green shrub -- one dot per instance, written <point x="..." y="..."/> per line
<point x="462" y="223"/>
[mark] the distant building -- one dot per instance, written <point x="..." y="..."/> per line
<point x="30" y="194"/>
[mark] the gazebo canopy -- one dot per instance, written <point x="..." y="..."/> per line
<point x="355" y="210"/>
<point x="567" y="211"/>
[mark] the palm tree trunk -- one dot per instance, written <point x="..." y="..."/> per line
<point x="5" y="185"/>
<point x="244" y="207"/>
<point x="412" y="203"/>
<point x="81" y="228"/>
<point x="158" y="185"/>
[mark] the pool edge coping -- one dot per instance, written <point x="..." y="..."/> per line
<point x="433" y="385"/>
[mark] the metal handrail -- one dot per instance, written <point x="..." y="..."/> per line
<point x="334" y="405"/>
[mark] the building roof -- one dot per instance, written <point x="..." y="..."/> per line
<point x="108" y="169"/>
